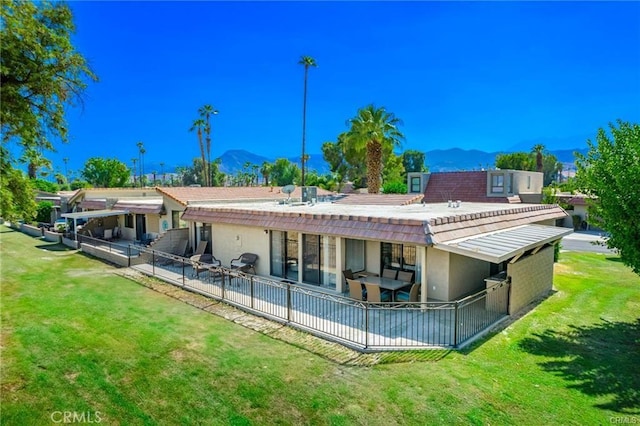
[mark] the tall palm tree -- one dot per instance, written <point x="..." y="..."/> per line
<point x="265" y="170"/>
<point x="198" y="125"/>
<point x="306" y="61"/>
<point x="375" y="131"/>
<point x="162" y="171"/>
<point x="66" y="172"/>
<point x="140" y="146"/>
<point x="206" y="111"/>
<point x="539" y="151"/>
<point x="134" y="161"/>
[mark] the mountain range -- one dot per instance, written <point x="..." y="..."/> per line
<point x="438" y="160"/>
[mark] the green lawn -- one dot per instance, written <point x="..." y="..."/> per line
<point x="77" y="337"/>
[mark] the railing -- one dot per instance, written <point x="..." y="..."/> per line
<point x="361" y="325"/>
<point x="125" y="247"/>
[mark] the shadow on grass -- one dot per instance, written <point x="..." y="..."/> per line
<point x="54" y="247"/>
<point x="615" y="259"/>
<point x="599" y="360"/>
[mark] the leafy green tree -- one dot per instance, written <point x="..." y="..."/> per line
<point x="43" y="211"/>
<point x="306" y="61"/>
<point x="79" y="184"/>
<point x="516" y="161"/>
<point x="17" y="199"/>
<point x="374" y="131"/>
<point x="106" y="172"/>
<point x="413" y="161"/>
<point x="609" y="173"/>
<point x="393" y="170"/>
<point x="284" y="173"/>
<point x="41" y="72"/>
<point x="395" y="187"/>
<point x="529" y="161"/>
<point x="46" y="186"/>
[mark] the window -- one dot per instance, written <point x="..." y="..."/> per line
<point x="497" y="184"/>
<point x="128" y="221"/>
<point x="510" y="184"/>
<point x="354" y="255"/>
<point x="284" y="254"/>
<point x="416" y="185"/>
<point x="528" y="182"/>
<point x="398" y="256"/>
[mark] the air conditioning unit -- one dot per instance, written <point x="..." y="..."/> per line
<point x="309" y="194"/>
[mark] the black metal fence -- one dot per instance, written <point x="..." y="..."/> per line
<point x="361" y="325"/>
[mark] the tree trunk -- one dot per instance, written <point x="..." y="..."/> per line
<point x="374" y="166"/>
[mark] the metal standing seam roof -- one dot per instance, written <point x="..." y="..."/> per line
<point x="500" y="246"/>
<point x="149" y="206"/>
<point x="94" y="213"/>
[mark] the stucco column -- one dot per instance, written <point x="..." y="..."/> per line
<point x="339" y="265"/>
<point x="421" y="253"/>
<point x="300" y="256"/>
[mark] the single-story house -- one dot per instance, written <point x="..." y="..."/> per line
<point x="452" y="250"/>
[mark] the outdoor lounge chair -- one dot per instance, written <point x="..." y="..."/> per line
<point x="411" y="296"/>
<point x="202" y="246"/>
<point x="245" y="263"/>
<point x="203" y="262"/>
<point x="375" y="295"/>
<point x="355" y="289"/>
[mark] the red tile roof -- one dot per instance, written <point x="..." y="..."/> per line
<point x="470" y="186"/>
<point x="420" y="231"/>
<point x="186" y="195"/>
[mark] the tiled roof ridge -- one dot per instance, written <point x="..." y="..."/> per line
<point x="481" y="215"/>
<point x="164" y="192"/>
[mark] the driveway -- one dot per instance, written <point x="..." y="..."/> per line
<point x="584" y="241"/>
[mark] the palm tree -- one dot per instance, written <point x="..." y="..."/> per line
<point x="134" y="160"/>
<point x="162" y="171"/>
<point x="376" y="131"/>
<point x="206" y="112"/>
<point x="306" y="61"/>
<point x="539" y="150"/>
<point x="65" y="160"/>
<point x="265" y="170"/>
<point x="140" y="146"/>
<point x="198" y="125"/>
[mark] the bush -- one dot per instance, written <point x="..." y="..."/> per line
<point x="43" y="211"/>
<point x="395" y="187"/>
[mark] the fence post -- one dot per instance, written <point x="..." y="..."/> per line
<point x="455" y="327"/>
<point x="153" y="262"/>
<point x="129" y="255"/>
<point x="366" y="325"/>
<point x="223" y="283"/>
<point x="183" y="277"/>
<point x="251" y="290"/>
<point x="288" y="302"/>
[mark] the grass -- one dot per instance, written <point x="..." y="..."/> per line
<point x="78" y="337"/>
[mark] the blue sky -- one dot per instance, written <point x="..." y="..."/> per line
<point x="480" y="75"/>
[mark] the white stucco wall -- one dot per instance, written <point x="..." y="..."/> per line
<point x="466" y="275"/>
<point x="229" y="242"/>
<point x="372" y="256"/>
<point x="437" y="274"/>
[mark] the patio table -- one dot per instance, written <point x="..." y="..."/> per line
<point x="387" y="284"/>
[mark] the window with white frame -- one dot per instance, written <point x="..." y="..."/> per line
<point x="497" y="183"/>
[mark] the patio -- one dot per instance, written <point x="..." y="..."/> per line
<point x="360" y="325"/>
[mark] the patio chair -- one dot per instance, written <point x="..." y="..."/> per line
<point x="355" y="289"/>
<point x="202" y="246"/>
<point x="406" y="276"/>
<point x="108" y="234"/>
<point x="203" y="262"/>
<point x="410" y="296"/>
<point x="375" y="295"/>
<point x="348" y="275"/>
<point x="245" y="263"/>
<point x="389" y="273"/>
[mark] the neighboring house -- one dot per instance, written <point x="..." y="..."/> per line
<point x="486" y="186"/>
<point x="578" y="209"/>
<point x="451" y="251"/>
